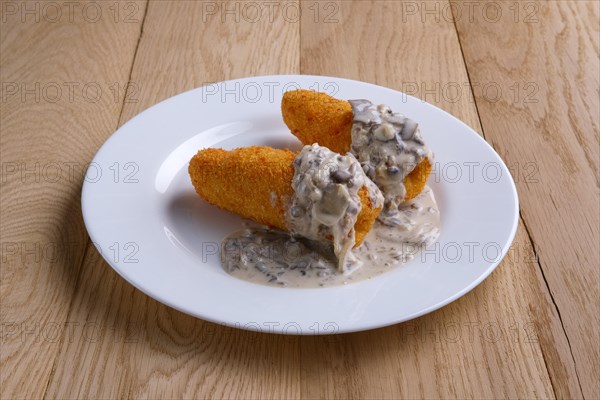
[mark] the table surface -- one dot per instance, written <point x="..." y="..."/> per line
<point x="525" y="75"/>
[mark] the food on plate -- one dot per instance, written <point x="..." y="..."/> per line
<point x="388" y="145"/>
<point x="352" y="204"/>
<point x="317" y="194"/>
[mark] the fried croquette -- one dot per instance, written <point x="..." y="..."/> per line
<point x="255" y="182"/>
<point x="315" y="117"/>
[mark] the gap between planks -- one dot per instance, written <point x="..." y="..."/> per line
<point x="539" y="265"/>
<point x="522" y="219"/>
<point x="88" y="242"/>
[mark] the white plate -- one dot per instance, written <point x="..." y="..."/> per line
<point x="143" y="215"/>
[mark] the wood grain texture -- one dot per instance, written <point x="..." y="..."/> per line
<point x="551" y="126"/>
<point x="437" y="65"/>
<point x="403" y="51"/>
<point x="148" y="350"/>
<point x="56" y="109"/>
<point x="72" y="328"/>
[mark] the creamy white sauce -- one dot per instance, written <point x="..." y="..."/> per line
<point x="326" y="203"/>
<point x="417" y="225"/>
<point x="388" y="146"/>
<point x="275" y="258"/>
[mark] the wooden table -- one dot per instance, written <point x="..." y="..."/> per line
<point x="523" y="74"/>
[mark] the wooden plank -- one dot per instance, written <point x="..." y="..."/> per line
<point x="63" y="69"/>
<point x="544" y="58"/>
<point x="406" y="46"/>
<point x="146" y="349"/>
<point x="495" y="342"/>
<point x="420" y="57"/>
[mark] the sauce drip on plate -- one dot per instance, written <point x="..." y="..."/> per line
<point x="275" y="258"/>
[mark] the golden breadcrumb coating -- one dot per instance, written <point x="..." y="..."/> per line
<point x="256" y="183"/>
<point x="315" y="117"/>
<point x="415" y="181"/>
<point x="366" y="217"/>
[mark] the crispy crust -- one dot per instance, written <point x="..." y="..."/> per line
<point x="417" y="179"/>
<point x="243" y="180"/>
<point x="255" y="182"/>
<point x="366" y="217"/>
<point x="315" y="117"/>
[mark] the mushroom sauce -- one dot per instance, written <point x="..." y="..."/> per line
<point x="261" y="255"/>
<point x="388" y="146"/>
<point x="326" y="202"/>
<point x="319" y="251"/>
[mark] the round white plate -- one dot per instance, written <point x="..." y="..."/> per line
<point x="143" y="215"/>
